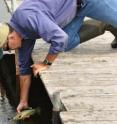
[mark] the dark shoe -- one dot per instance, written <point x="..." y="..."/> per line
<point x="113" y="30"/>
<point x="114" y="43"/>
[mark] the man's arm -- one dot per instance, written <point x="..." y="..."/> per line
<point x="24" y="54"/>
<point x="51" y="33"/>
<point x="25" y="82"/>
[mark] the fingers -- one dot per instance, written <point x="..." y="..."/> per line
<point x="21" y="106"/>
<point x="36" y="73"/>
<point x="18" y="110"/>
<point x="37" y="68"/>
<point x="35" y="65"/>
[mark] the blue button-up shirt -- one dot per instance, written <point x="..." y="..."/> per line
<point x="44" y="18"/>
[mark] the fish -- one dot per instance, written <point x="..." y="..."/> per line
<point x="27" y="113"/>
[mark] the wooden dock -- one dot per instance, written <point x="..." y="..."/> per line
<point x="86" y="80"/>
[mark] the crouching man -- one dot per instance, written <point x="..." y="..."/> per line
<point x="56" y="21"/>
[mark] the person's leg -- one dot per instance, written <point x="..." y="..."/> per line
<point x="90" y="29"/>
<point x="105" y="11"/>
<point x="93" y="9"/>
<point x="72" y="29"/>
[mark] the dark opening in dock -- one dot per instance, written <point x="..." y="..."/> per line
<point x="38" y="95"/>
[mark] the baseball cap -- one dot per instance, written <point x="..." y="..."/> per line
<point x="4" y="31"/>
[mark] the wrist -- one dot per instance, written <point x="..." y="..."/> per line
<point x="47" y="62"/>
<point x="24" y="101"/>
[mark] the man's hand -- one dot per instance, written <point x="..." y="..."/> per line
<point x="37" y="68"/>
<point x="21" y="106"/>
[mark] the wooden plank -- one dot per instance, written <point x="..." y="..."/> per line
<point x="85" y="117"/>
<point x="87" y="97"/>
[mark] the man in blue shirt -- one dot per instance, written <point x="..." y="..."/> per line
<point x="58" y="23"/>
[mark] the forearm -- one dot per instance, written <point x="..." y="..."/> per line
<point x="51" y="57"/>
<point x="25" y="82"/>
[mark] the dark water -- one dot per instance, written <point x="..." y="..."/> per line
<point x="38" y="96"/>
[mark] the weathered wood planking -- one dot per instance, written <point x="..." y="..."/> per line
<point x="86" y="78"/>
<point x="87" y="117"/>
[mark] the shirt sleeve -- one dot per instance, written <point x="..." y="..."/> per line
<point x="50" y="32"/>
<point x="25" y="60"/>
